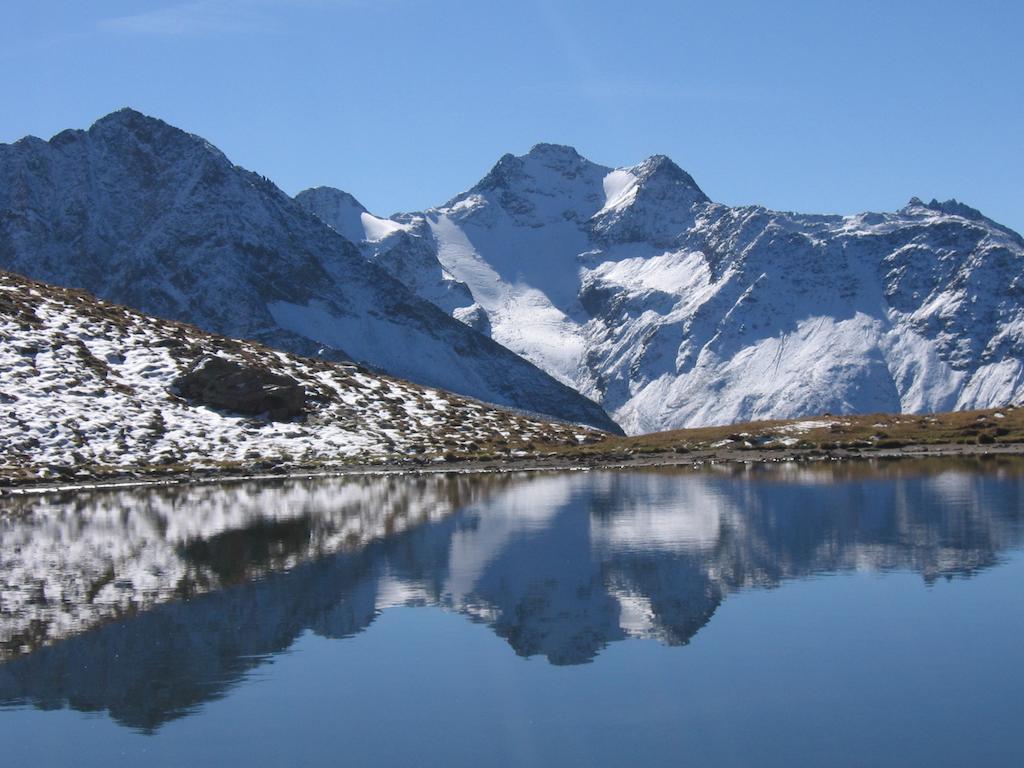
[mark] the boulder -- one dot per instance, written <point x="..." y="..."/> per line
<point x="247" y="389"/>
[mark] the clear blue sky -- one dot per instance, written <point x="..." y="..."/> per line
<point x="814" y="106"/>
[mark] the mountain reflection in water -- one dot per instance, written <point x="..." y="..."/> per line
<point x="147" y="603"/>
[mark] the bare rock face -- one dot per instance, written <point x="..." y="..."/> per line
<point x="248" y="389"/>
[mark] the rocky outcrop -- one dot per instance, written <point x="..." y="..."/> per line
<point x="249" y="389"/>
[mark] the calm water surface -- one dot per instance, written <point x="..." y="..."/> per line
<point x="847" y="615"/>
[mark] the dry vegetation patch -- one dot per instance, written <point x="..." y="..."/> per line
<point x="854" y="434"/>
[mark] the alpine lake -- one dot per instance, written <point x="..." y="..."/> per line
<point x="806" y="614"/>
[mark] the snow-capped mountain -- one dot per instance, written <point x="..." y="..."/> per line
<point x="632" y="286"/>
<point x="89" y="388"/>
<point x="139" y="212"/>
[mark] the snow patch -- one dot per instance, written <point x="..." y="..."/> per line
<point x="375" y="228"/>
<point x="620" y="188"/>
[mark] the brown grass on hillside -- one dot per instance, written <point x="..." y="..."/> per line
<point x="854" y="433"/>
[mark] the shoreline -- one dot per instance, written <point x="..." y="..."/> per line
<point x="618" y="460"/>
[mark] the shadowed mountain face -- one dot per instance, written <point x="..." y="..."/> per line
<point x="147" y="604"/>
<point x="143" y="214"/>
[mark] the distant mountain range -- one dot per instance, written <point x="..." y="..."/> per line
<point x="629" y="285"/>
<point x="634" y="288"/>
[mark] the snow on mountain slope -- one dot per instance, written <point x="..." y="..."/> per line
<point x="139" y="212"/>
<point x="403" y="250"/>
<point x="89" y="388"/>
<point x="670" y="310"/>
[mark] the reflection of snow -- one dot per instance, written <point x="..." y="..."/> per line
<point x="560" y="564"/>
<point x="667" y="516"/>
<point x="68" y="566"/>
<point x="636" y="618"/>
<point x="392" y="592"/>
<point x="668" y="527"/>
<point x="522" y="510"/>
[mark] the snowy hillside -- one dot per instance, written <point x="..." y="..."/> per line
<point x="670" y="310"/>
<point x="138" y="212"/>
<point x="89" y="388"/>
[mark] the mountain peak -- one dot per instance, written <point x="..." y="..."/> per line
<point x="158" y="137"/>
<point x="544" y="160"/>
<point x="661" y="169"/>
<point x="125" y="119"/>
<point x="652" y="201"/>
<point x="556" y="151"/>
<point x="955" y="208"/>
<point x="662" y="164"/>
<point x="951" y="207"/>
<point x="127" y="122"/>
<point x="337" y="196"/>
<point x="129" y="118"/>
<point x="562" y="159"/>
<point x="337" y="209"/>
